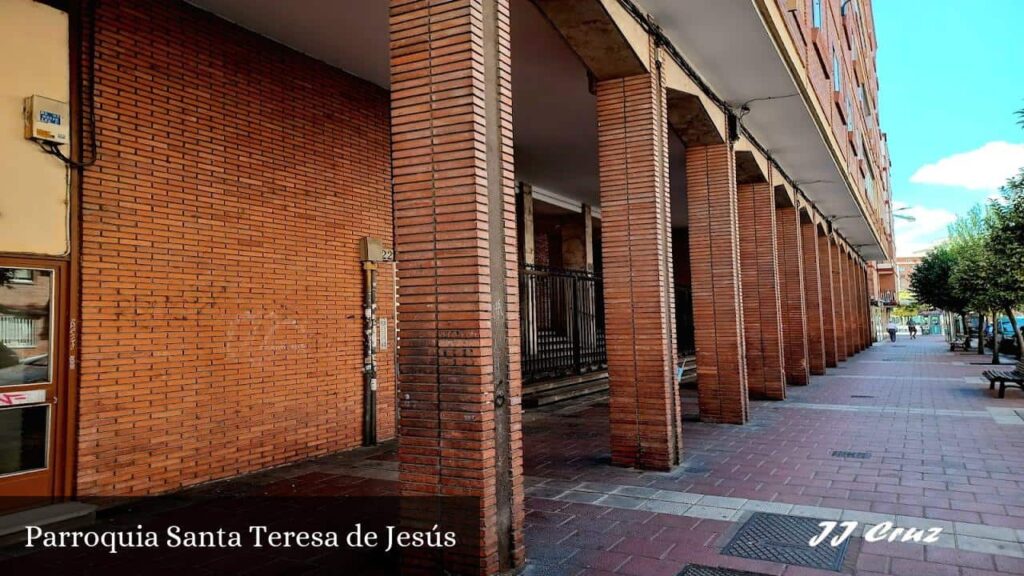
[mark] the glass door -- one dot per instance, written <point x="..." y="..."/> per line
<point x="30" y="310"/>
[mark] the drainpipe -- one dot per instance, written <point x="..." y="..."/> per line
<point x="369" y="353"/>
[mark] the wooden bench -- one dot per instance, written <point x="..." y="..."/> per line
<point x="1005" y="377"/>
<point x="956" y="345"/>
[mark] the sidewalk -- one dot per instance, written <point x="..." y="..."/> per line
<point x="927" y="445"/>
<point x="924" y="442"/>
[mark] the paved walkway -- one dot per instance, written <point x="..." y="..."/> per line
<point x="929" y="444"/>
<point x="925" y="444"/>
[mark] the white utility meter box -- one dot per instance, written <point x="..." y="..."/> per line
<point x="47" y="120"/>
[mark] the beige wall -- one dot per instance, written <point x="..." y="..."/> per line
<point x="33" y="184"/>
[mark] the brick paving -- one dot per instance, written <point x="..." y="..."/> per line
<point x="944" y="452"/>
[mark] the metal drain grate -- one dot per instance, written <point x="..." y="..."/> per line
<point x="783" y="539"/>
<point x="699" y="570"/>
<point x="861" y="396"/>
<point x="848" y="454"/>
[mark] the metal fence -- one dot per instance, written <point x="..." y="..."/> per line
<point x="562" y="314"/>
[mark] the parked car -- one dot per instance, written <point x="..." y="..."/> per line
<point x="1008" y="343"/>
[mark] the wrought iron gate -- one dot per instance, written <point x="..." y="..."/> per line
<point x="562" y="315"/>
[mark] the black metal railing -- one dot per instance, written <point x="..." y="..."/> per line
<point x="562" y="314"/>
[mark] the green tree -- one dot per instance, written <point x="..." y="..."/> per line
<point x="1006" y="253"/>
<point x="982" y="273"/>
<point x="931" y="284"/>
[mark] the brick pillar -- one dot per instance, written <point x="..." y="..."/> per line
<point x="636" y="248"/>
<point x="853" y="300"/>
<point x="792" y="295"/>
<point x="459" y="384"/>
<point x="828" y="311"/>
<point x="760" y="283"/>
<point x="838" y="299"/>
<point x="865" y="302"/>
<point x="715" y="269"/>
<point x="848" y="326"/>
<point x="813" y="296"/>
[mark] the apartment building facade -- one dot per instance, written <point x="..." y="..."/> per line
<point x="201" y="234"/>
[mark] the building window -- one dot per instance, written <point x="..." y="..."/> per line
<point x="816" y="13"/>
<point x="19" y="275"/>
<point x="837" y="72"/>
<point x="849" y="114"/>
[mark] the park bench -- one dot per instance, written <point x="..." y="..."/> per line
<point x="957" y="345"/>
<point x="1005" y="377"/>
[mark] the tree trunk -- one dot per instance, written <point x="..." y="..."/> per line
<point x="995" y="339"/>
<point x="967" y="331"/>
<point x="981" y="334"/>
<point x="1016" y="332"/>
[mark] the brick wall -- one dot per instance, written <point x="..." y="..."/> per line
<point x="221" y="291"/>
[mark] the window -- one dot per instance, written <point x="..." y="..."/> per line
<point x="25" y="325"/>
<point x="19" y="275"/>
<point x="849" y="114"/>
<point x="23" y="444"/>
<point x="837" y="72"/>
<point x="816" y="13"/>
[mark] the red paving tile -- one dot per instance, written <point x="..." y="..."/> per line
<point x="944" y="467"/>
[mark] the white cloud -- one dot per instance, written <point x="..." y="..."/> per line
<point x="927" y="229"/>
<point x="985" y="168"/>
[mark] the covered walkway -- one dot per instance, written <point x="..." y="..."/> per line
<point x="926" y="445"/>
<point x="905" y="433"/>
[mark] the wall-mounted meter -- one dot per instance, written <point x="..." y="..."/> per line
<point x="47" y="120"/>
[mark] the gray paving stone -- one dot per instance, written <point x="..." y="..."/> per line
<point x="988" y="532"/>
<point x="713" y="513"/>
<point x="987" y="546"/>
<point x="615" y="501"/>
<point x="722" y="502"/>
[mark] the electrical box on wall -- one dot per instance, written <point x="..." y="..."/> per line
<point x="46" y="120"/>
<point x="371" y="250"/>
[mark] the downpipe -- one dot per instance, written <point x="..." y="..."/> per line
<point x="369" y="353"/>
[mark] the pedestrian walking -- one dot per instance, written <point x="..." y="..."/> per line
<point x="892" y="328"/>
<point x="912" y="328"/>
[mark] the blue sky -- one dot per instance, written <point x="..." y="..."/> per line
<point x="951" y="75"/>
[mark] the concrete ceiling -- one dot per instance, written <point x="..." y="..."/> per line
<point x="728" y="43"/>
<point x="555" y="113"/>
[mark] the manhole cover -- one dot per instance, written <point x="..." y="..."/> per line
<point x="784" y="539"/>
<point x="847" y="454"/>
<point x="698" y="570"/>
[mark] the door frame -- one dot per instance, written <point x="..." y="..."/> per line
<point x="81" y="31"/>
<point x="57" y="432"/>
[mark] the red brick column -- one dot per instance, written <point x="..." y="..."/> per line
<point x="760" y="283"/>
<point x="849" y="328"/>
<point x="866" y="304"/>
<point x="812" y="261"/>
<point x="838" y="299"/>
<point x="717" y="298"/>
<point x="854" y="304"/>
<point x="459" y="385"/>
<point x="636" y="247"/>
<point x="828" y="291"/>
<point x="792" y="294"/>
